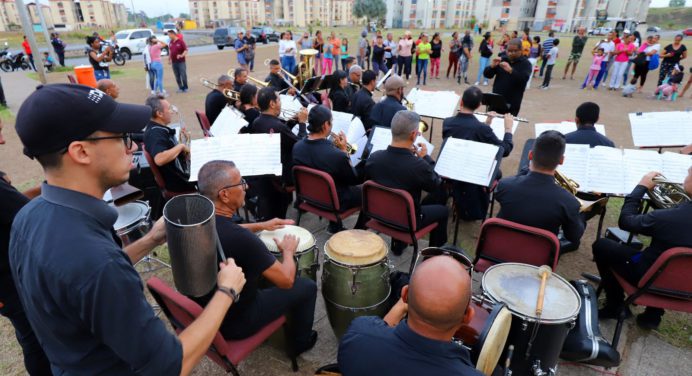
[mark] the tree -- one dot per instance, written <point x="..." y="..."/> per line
<point x="370" y="9"/>
<point x="185" y="16"/>
<point x="676" y="3"/>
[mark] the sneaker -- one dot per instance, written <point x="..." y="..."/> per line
<point x="476" y="83"/>
<point x="544" y="87"/>
<point x="648" y="320"/>
<point x="179" y="91"/>
<point x="459" y="80"/>
<point x="485" y="83"/>
<point x="153" y="92"/>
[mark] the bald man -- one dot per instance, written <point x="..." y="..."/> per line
<point x="437" y="304"/>
<point x="109" y="87"/>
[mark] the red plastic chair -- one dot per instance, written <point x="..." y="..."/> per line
<point x="72" y="79"/>
<point x="181" y="312"/>
<point x="393" y="213"/>
<point x="501" y="241"/>
<point x="665" y="285"/>
<point x="316" y="193"/>
<point x="167" y="194"/>
<point x="204" y="123"/>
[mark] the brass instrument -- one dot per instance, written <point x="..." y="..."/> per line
<point x="254" y="80"/>
<point x="572" y="187"/>
<point x="521" y="120"/>
<point x="422" y="125"/>
<point x="293" y="79"/>
<point x="350" y="148"/>
<point x="306" y="65"/>
<point x="666" y="194"/>
<point x="228" y="93"/>
<point x="184" y="138"/>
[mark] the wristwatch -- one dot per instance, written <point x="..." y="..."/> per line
<point x="230" y="292"/>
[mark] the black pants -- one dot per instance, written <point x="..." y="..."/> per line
<point x="297" y="303"/>
<point x="548" y="73"/>
<point x="272" y="202"/>
<point x="180" y="73"/>
<point x="471" y="201"/>
<point x="61" y="58"/>
<point x="666" y="68"/>
<point x="31" y="60"/>
<point x="640" y="71"/>
<point x="351" y="198"/>
<point x="404" y="65"/>
<point x="544" y="60"/>
<point x="35" y="359"/>
<point x="435" y="214"/>
<point x="611" y="255"/>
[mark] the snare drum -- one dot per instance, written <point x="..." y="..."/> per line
<point x="537" y="340"/>
<point x="306" y="252"/>
<point x="133" y="221"/>
<point x="355" y="277"/>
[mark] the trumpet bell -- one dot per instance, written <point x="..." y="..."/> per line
<point x="423" y="127"/>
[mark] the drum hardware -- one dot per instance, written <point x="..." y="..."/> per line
<point x="519" y="119"/>
<point x="228" y="93"/>
<point x="422" y="125"/>
<point x="585" y="206"/>
<point x="350" y="148"/>
<point x="666" y="194"/>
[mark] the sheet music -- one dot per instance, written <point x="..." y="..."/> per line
<point x="575" y="165"/>
<point x="229" y="122"/>
<point x="290" y="106"/>
<point x="564" y="127"/>
<point x="675" y="166"/>
<point x="638" y="163"/>
<point x="351" y="125"/>
<point x="253" y="154"/>
<point x="382" y="137"/>
<point x="361" y="142"/>
<point x="467" y="161"/>
<point x="670" y="128"/>
<point x="498" y="125"/>
<point x="435" y="104"/>
<point x="605" y="170"/>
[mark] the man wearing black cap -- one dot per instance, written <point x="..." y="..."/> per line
<point x="81" y="293"/>
<point x="362" y="102"/>
<point x="383" y="111"/>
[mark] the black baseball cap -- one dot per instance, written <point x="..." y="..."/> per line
<point x="55" y="115"/>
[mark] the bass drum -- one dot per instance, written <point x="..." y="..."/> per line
<point x="306" y="254"/>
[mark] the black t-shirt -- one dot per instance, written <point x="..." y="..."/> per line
<point x="677" y="54"/>
<point x="11" y="201"/>
<point x="214" y="104"/>
<point x="485" y="49"/>
<point x="159" y="138"/>
<point x="378" y="53"/>
<point x="250" y="115"/>
<point x="436" y="49"/>
<point x="248" y="252"/>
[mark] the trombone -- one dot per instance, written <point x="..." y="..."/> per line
<point x="228" y="93"/>
<point x="292" y="78"/>
<point x="231" y="72"/>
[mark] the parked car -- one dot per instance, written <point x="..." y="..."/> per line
<point x="226" y="36"/>
<point x="133" y="41"/>
<point x="653" y="29"/>
<point x="601" y="31"/>
<point x="262" y="34"/>
<point x="688" y="31"/>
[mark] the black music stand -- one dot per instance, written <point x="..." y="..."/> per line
<point x="326" y="83"/>
<point x="312" y="84"/>
<point x="495" y="102"/>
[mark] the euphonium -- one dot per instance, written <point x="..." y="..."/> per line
<point x="666" y="194"/>
<point x="573" y="187"/>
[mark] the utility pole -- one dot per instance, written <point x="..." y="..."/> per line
<point x="44" y="27"/>
<point x="29" y="32"/>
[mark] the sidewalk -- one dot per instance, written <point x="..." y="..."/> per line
<point x="17" y="87"/>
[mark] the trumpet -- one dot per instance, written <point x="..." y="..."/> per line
<point x="350" y="148"/>
<point x="521" y="120"/>
<point x="422" y="125"/>
<point x="666" y="194"/>
<point x="228" y="93"/>
<point x="572" y="187"/>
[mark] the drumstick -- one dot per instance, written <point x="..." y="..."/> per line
<point x="544" y="272"/>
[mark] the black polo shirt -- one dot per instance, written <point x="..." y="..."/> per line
<point x="383" y="112"/>
<point x="214" y="104"/>
<point x="587" y="135"/>
<point x="11" y="201"/>
<point x="361" y="106"/>
<point x="250" y="115"/>
<point x="536" y="200"/>
<point x="511" y="85"/>
<point x="158" y="138"/>
<point x="468" y="127"/>
<point x="340" y="100"/>
<point x="82" y="296"/>
<point x="277" y="82"/>
<point x="371" y="347"/>
<point x="401" y="169"/>
<point x="324" y="156"/>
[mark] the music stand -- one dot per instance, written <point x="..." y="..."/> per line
<point x="312" y="84"/>
<point x="495" y="102"/>
<point x="326" y="83"/>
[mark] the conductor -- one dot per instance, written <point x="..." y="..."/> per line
<point x="511" y="75"/>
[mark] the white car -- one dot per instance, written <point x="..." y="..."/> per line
<point x="133" y="41"/>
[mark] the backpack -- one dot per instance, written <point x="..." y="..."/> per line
<point x="653" y="62"/>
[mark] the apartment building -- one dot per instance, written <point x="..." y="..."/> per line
<point x="430" y="14"/>
<point x="34" y="16"/>
<point x="65" y="12"/>
<point x="9" y="18"/>
<point x="243" y="12"/>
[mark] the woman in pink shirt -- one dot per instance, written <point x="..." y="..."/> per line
<point x="622" y="55"/>
<point x="404" y="55"/>
<point x="155" y="47"/>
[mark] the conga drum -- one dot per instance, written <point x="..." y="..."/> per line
<point x="306" y="253"/>
<point x="537" y="340"/>
<point x="355" y="277"/>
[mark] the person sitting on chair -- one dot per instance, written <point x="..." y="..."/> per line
<point x="437" y="304"/>
<point x="109" y="87"/>
<point x="534" y="199"/>
<point x="383" y="112"/>
<point x="338" y="94"/>
<point x="355" y="73"/>
<point x="586" y="134"/>
<point x="221" y="182"/>
<point x="406" y="166"/>
<point x="319" y="153"/>
<point x="362" y="102"/>
<point x="239" y="78"/>
<point x="276" y="78"/>
<point x="161" y="143"/>
<point x="472" y="200"/>
<point x="216" y="101"/>
<point x="668" y="228"/>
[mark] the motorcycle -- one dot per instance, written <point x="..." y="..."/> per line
<point x="118" y="58"/>
<point x="10" y="62"/>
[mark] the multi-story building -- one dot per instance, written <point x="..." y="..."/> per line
<point x="101" y="13"/>
<point x="9" y="18"/>
<point x="65" y="12"/>
<point x="241" y="12"/>
<point x="34" y="16"/>
<point x="430" y="14"/>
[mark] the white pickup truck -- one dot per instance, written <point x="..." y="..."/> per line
<point x="133" y="41"/>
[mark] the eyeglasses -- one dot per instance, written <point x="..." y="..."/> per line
<point x="242" y="183"/>
<point x="460" y="257"/>
<point x="126" y="137"/>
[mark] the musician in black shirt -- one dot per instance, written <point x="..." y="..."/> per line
<point x="586" y="134"/>
<point x="248" y="105"/>
<point x="362" y="102"/>
<point x="384" y="110"/>
<point x="511" y="75"/>
<point x="668" y="228"/>
<point x="400" y="167"/>
<point x="239" y="78"/>
<point x="216" y="101"/>
<point x="340" y="99"/>
<point x="534" y="199"/>
<point x="355" y="74"/>
<point x="318" y="152"/>
<point x="472" y="200"/>
<point x="276" y="78"/>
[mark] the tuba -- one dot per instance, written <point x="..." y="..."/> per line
<point x="585" y="206"/>
<point x="666" y="194"/>
<point x="306" y="65"/>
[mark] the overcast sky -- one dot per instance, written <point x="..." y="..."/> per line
<point x="175" y="7"/>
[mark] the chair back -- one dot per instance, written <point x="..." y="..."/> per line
<point x="72" y="79"/>
<point x="669" y="275"/>
<point x="316" y="188"/>
<point x="204" y="123"/>
<point x="389" y="206"/>
<point x="158" y="178"/>
<point x="501" y="241"/>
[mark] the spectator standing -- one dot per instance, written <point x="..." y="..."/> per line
<point x="622" y="54"/>
<point x="344" y="53"/>
<point x="672" y="54"/>
<point x="318" y="44"/>
<point x="177" y="51"/>
<point x="435" y="55"/>
<point x="534" y="53"/>
<point x="58" y="47"/>
<point x="423" y="50"/>
<point x="596" y="66"/>
<point x="336" y="50"/>
<point x="362" y="49"/>
<point x="287" y="52"/>
<point x="552" y="57"/>
<point x="486" y="51"/>
<point x="378" y="52"/>
<point x="465" y="58"/>
<point x="97" y="58"/>
<point x="641" y="64"/>
<point x="151" y="74"/>
<point x="608" y="46"/>
<point x="547" y="45"/>
<point x="328" y="57"/>
<point x="27" y="51"/>
<point x="390" y="49"/>
<point x="454" y="48"/>
<point x="240" y="48"/>
<point x="251" y="43"/>
<point x="578" y="44"/>
<point x="155" y="47"/>
<point x="405" y="55"/>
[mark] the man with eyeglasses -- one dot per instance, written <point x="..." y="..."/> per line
<point x="221" y="182"/>
<point x="80" y="291"/>
<point x="511" y="74"/>
<point x="161" y="143"/>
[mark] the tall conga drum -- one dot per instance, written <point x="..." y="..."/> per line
<point x="355" y="277"/>
<point x="85" y="75"/>
<point x="306" y="253"/>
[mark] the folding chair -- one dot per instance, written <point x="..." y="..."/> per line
<point x="167" y="194"/>
<point x="316" y="193"/>
<point x="204" y="123"/>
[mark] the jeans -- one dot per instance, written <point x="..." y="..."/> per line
<point x="251" y="63"/>
<point x="100" y="74"/>
<point x="609" y="63"/>
<point x="483" y="63"/>
<point x="157" y="67"/>
<point x="288" y="63"/>
<point x="404" y="65"/>
<point x="31" y="60"/>
<point x="533" y="61"/>
<point x="422" y="67"/>
<point x="151" y="75"/>
<point x="544" y="61"/>
<point x="180" y="73"/>
<point x="601" y="75"/>
<point x="61" y="58"/>
<point x="298" y="303"/>
<point x="463" y="67"/>
<point x="616" y="78"/>
<point x="548" y="73"/>
<point x="627" y="71"/>
<point x="3" y="101"/>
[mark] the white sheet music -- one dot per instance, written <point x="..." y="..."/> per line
<point x="564" y="127"/>
<point x="360" y="143"/>
<point x="467" y="161"/>
<point x="670" y="128"/>
<point x="253" y="154"/>
<point x="351" y="125"/>
<point x="229" y="122"/>
<point x="575" y="165"/>
<point x="498" y="125"/>
<point x="638" y="163"/>
<point x="290" y="106"/>
<point x="605" y="170"/>
<point x="675" y="166"/>
<point x="435" y="104"/>
<point x="382" y="137"/>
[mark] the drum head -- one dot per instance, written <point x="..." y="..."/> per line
<point x="355" y="247"/>
<point x="517" y="286"/>
<point x="305" y="238"/>
<point x="130" y="213"/>
<point x="493" y="338"/>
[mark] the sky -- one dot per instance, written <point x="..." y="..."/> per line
<point x="175" y="7"/>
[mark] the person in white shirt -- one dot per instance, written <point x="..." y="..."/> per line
<point x="151" y="74"/>
<point x="552" y="56"/>
<point x="287" y="52"/>
<point x="390" y="48"/>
